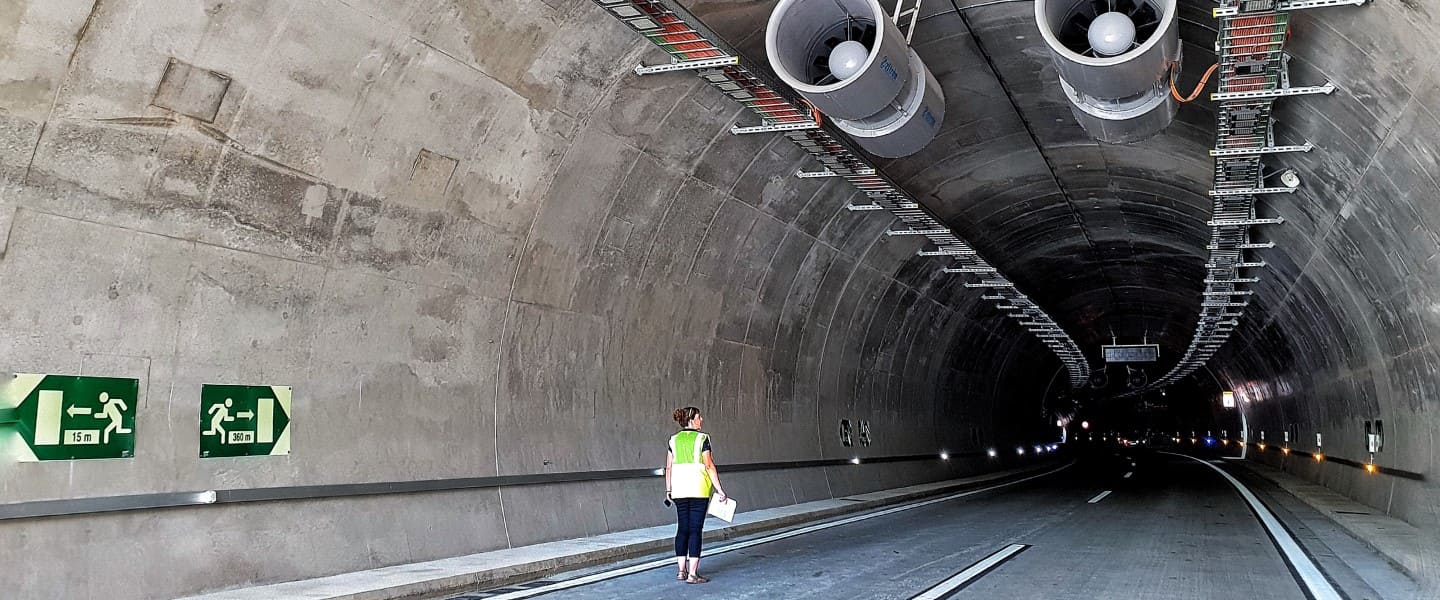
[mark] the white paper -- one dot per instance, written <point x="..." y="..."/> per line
<point x="722" y="509"/>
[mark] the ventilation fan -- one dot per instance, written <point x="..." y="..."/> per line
<point x="1074" y="33"/>
<point x="852" y="30"/>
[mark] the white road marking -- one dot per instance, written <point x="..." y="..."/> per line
<point x="1128" y="474"/>
<point x="1305" y="569"/>
<point x="1100" y="496"/>
<point x="974" y="571"/>
<point x="670" y="562"/>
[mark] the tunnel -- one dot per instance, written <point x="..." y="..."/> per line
<point x="454" y="263"/>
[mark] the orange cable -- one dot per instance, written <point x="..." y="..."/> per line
<point x="1198" y="88"/>
<point x="813" y="111"/>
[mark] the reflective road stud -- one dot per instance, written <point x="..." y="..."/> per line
<point x="62" y="417"/>
<point x="244" y="420"/>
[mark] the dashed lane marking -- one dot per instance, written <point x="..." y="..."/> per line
<point x="670" y="562"/>
<point x="957" y="582"/>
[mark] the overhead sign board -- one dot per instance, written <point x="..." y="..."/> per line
<point x="1131" y="353"/>
<point x="244" y="420"/>
<point x="63" y="417"/>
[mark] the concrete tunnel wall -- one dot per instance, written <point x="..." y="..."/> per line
<point x="476" y="244"/>
<point x="1343" y="324"/>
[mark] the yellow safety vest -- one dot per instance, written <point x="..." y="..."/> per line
<point x="688" y="478"/>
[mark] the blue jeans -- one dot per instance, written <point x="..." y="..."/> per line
<point x="691" y="513"/>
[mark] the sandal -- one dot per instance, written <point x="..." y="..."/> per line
<point x="696" y="579"/>
<point x="680" y="576"/>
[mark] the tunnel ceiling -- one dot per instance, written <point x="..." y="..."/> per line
<point x="1109" y="239"/>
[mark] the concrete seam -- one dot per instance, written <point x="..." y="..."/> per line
<point x="9" y="231"/>
<point x="763" y="149"/>
<point x="515" y="278"/>
<point x="665" y="117"/>
<point x="723" y="131"/>
<point x="1334" y="223"/>
<point x="820" y="360"/>
<point x="704" y="237"/>
<point x="760" y="289"/>
<point x="660" y="226"/>
<point x="610" y="208"/>
<point x="874" y="371"/>
<point x="59" y="87"/>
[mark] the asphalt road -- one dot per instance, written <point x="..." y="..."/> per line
<point x="1172" y="528"/>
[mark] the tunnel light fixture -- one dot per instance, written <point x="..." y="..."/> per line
<point x="658" y="472"/>
<point x="991" y="284"/>
<point x="1285" y="451"/>
<point x="1370" y="468"/>
<point x="969" y="270"/>
<point x="1235" y="280"/>
<point x="991" y="453"/>
<point x="1229" y="293"/>
<point x="1319" y="456"/>
<point x="944" y="455"/>
<point x="1020" y="451"/>
<point x="855" y="461"/>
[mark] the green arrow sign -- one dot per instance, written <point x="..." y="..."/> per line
<point x="63" y="417"/>
<point x="244" y="420"/>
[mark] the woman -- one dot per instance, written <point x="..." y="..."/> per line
<point x="689" y="476"/>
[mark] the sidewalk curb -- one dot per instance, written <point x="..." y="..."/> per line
<point x="1411" y="565"/>
<point x="407" y="587"/>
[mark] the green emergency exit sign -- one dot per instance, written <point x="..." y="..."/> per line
<point x="63" y="417"/>
<point x="244" y="420"/>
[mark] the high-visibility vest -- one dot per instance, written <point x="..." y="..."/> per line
<point x="688" y="478"/>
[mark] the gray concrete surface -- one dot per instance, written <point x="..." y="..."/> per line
<point x="477" y="244"/>
<point x="1175" y="529"/>
<point x="488" y="569"/>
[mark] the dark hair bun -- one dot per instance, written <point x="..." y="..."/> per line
<point x="683" y="416"/>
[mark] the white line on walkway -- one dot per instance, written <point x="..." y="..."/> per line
<point x="1305" y="569"/>
<point x="655" y="564"/>
<point x="974" y="571"/>
<point x="1128" y="474"/>
<point x="1100" y="496"/>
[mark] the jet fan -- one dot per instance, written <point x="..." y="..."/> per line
<point x="1115" y="58"/>
<point x="852" y="63"/>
